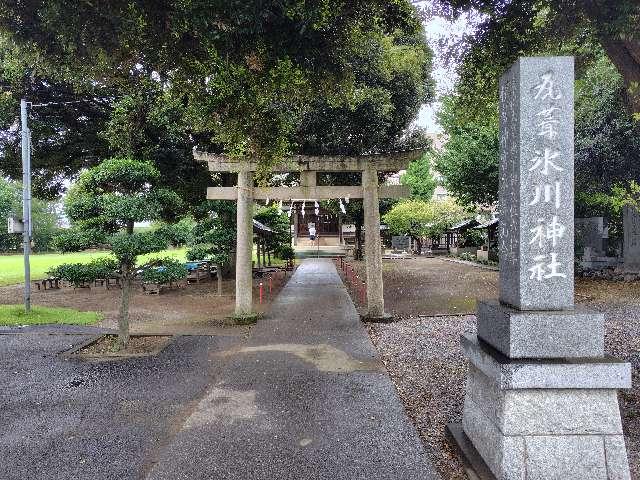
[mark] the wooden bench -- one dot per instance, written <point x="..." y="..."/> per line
<point x="201" y="272"/>
<point x="52" y="283"/>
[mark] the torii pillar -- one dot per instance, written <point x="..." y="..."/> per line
<point x="244" y="245"/>
<point x="308" y="166"/>
<point x="373" y="245"/>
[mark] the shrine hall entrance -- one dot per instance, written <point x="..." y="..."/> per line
<point x="326" y="223"/>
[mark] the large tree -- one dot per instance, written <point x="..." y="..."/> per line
<point x="420" y="219"/>
<point x="242" y="75"/>
<point x="469" y="161"/>
<point x="419" y="178"/>
<point x="607" y="142"/>
<point x="513" y="28"/>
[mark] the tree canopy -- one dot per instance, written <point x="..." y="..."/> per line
<point x="155" y="79"/>
<point x="469" y="161"/>
<point x="510" y="29"/>
<point x="606" y="142"/>
<point x="603" y="37"/>
<point x="419" y="178"/>
<point x="420" y="219"/>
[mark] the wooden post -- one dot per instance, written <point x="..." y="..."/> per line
<point x="219" y="275"/>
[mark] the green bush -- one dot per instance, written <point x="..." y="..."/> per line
<point x="79" y="273"/>
<point x="286" y="252"/>
<point x="104" y="267"/>
<point x="198" y="252"/>
<point x="164" y="270"/>
<point x="207" y="252"/>
<point x="177" y="234"/>
<point x="472" y="238"/>
<point x="469" y="257"/>
<point x="74" y="273"/>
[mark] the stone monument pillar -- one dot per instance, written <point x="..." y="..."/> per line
<point x="373" y="246"/>
<point x="541" y="398"/>
<point x="631" y="230"/>
<point x="244" y="245"/>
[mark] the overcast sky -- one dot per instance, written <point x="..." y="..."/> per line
<point x="439" y="32"/>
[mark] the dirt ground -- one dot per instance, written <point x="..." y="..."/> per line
<point x="435" y="286"/>
<point x="423" y="356"/>
<point x="194" y="309"/>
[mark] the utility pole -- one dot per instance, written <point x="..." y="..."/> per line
<point x="26" y="202"/>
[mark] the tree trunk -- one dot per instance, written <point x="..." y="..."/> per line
<point x="623" y="51"/>
<point x="358" y="253"/>
<point x="123" y="319"/>
<point x="621" y="55"/>
<point x="418" y="245"/>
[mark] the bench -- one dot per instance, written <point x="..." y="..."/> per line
<point x="52" y="283"/>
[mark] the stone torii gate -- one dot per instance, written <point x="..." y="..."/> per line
<point x="245" y="193"/>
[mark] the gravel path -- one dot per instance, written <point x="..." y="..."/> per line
<point x="424" y="359"/>
<point x="425" y="362"/>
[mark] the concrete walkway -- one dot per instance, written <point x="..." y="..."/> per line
<point x="305" y="397"/>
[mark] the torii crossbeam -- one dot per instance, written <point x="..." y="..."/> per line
<point x="308" y="166"/>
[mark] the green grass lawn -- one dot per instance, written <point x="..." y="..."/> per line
<point x="12" y="266"/>
<point x="15" y="315"/>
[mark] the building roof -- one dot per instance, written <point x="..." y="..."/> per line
<point x="488" y="224"/>
<point x="464" y="225"/>
<point x="261" y="228"/>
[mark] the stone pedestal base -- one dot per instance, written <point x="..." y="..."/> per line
<point x="541" y="334"/>
<point x="545" y="419"/>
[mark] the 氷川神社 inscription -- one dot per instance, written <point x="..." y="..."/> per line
<point x="536" y="187"/>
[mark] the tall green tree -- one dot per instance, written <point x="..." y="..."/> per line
<point x="607" y="142"/>
<point x="469" y="161"/>
<point x="246" y="73"/>
<point x="419" y="178"/>
<point x="420" y="219"/>
<point x="525" y="27"/>
<point x="103" y="206"/>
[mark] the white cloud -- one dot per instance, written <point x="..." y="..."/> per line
<point x="442" y="34"/>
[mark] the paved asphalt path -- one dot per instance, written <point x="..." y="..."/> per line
<point x="304" y="397"/>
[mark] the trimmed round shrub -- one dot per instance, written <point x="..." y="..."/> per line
<point x="74" y="273"/>
<point x="105" y="267"/>
<point x="163" y="270"/>
<point x="286" y="252"/>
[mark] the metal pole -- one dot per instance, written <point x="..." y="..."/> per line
<point x="26" y="203"/>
